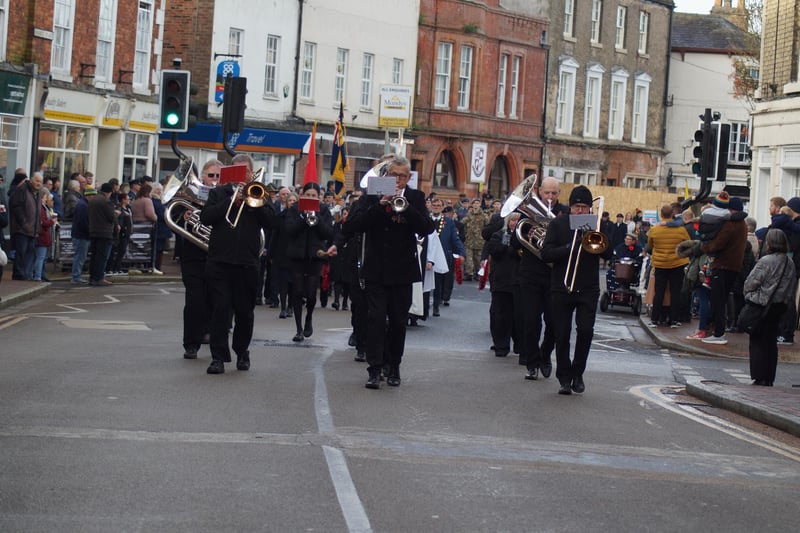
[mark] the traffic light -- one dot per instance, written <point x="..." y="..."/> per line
<point x="704" y="151"/>
<point x="174" y="101"/>
<point x="723" y="139"/>
<point x="233" y="105"/>
<point x="195" y="109"/>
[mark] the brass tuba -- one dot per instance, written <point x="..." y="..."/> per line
<point x="181" y="196"/>
<point x="530" y="231"/>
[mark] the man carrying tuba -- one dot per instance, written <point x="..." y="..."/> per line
<point x="534" y="278"/>
<point x="196" y="308"/>
<point x="563" y="248"/>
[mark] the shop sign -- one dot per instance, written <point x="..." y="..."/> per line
<point x="14" y="90"/>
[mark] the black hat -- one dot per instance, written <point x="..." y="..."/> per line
<point x="147" y="178"/>
<point x="136" y="181"/>
<point x="580" y="195"/>
<point x="106" y="188"/>
<point x="448" y="209"/>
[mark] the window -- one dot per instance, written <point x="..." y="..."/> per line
<point x="307" y="71"/>
<point x="271" y="66"/>
<point x="501" y="86"/>
<point x="340" y="83"/>
<point x="61" y="49"/>
<point x="397" y="71"/>
<point x="644" y="21"/>
<point x="464" y="77"/>
<point x="135" y="159"/>
<point x="569" y="20"/>
<point x="236" y="42"/>
<point x="2" y="30"/>
<point x="443" y="61"/>
<point x="639" y="182"/>
<point x="512" y="108"/>
<point x="616" y="108"/>
<point x="566" y="95"/>
<point x="579" y="177"/>
<point x="366" y="80"/>
<point x="739" y="143"/>
<point x="444" y="174"/>
<point x="591" y="112"/>
<point x="9" y="143"/>
<point x="64" y="148"/>
<point x="641" y="95"/>
<point x="275" y="166"/>
<point x="619" y="37"/>
<point x="141" y="56"/>
<point x="104" y="62"/>
<point x="597" y="12"/>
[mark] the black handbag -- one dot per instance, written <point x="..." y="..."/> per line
<point x="752" y="315"/>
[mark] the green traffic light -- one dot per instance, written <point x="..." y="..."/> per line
<point x="172" y="119"/>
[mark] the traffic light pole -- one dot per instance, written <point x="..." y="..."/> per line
<point x="177" y="151"/>
<point x="704" y="153"/>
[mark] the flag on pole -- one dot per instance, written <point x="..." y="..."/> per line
<point x="339" y="154"/>
<point x="310" y="175"/>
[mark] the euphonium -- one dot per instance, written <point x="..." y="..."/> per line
<point x="178" y="193"/>
<point x="530" y="231"/>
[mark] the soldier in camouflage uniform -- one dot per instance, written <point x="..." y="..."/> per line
<point x="474" y="222"/>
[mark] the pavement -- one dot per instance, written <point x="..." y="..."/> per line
<point x="775" y="406"/>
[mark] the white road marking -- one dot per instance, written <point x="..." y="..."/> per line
<point x="117" y="325"/>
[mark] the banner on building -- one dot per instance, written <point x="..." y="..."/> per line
<point x="14" y="88"/>
<point x="477" y="167"/>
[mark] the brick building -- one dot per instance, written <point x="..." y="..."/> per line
<point x="79" y="76"/>
<point x="776" y="119"/>
<point x="606" y="92"/>
<point x="478" y="105"/>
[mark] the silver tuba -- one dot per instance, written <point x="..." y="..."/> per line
<point x="530" y="231"/>
<point x="181" y="196"/>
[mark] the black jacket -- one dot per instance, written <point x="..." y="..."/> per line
<point x="240" y="245"/>
<point x="556" y="250"/>
<point x="303" y="241"/>
<point x="504" y="262"/>
<point x="391" y="247"/>
<point x="102" y="218"/>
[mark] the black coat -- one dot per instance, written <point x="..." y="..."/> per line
<point x="102" y="218"/>
<point x="556" y="250"/>
<point x="504" y="264"/>
<point x="240" y="245"/>
<point x="303" y="241"/>
<point x="391" y="247"/>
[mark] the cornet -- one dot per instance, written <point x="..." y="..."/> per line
<point x="399" y="204"/>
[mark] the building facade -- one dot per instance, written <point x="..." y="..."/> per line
<point x="776" y="119"/>
<point x="606" y="92"/>
<point x="79" y="76"/>
<point x="478" y="96"/>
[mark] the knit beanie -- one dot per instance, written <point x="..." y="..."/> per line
<point x="794" y="204"/>
<point x="90" y="191"/>
<point x="580" y="195"/>
<point x="722" y="200"/>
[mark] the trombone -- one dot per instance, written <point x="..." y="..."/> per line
<point x="594" y="242"/>
<point x="255" y="194"/>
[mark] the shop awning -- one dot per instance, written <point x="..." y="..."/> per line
<point x="209" y="136"/>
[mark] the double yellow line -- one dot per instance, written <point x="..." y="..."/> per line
<point x="9" y="320"/>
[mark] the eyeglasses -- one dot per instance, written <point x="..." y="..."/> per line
<point x="211" y="175"/>
<point x="398" y="175"/>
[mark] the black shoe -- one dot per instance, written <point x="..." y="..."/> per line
<point x="578" y="385"/>
<point x="309" y="329"/>
<point x="374" y="381"/>
<point x="344" y="307"/>
<point x="216" y="367"/>
<point x="565" y="388"/>
<point x="413" y="322"/>
<point x="546" y="371"/>
<point x="393" y="381"/>
<point x="446" y="303"/>
<point x="436" y="311"/>
<point x="289" y="312"/>
<point x="298" y="337"/>
<point x="360" y="357"/>
<point x="352" y="340"/>
<point x="335" y="305"/>
<point x="243" y="361"/>
<point x="190" y="353"/>
<point x="501" y="353"/>
<point x="762" y="382"/>
<point x="259" y="301"/>
<point x="282" y="314"/>
<point x="46" y="279"/>
<point x="274" y="305"/>
<point x="532" y="374"/>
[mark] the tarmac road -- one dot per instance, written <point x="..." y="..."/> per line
<point x="105" y="427"/>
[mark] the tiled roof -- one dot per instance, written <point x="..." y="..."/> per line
<point x="706" y="32"/>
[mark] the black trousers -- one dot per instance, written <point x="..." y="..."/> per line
<point x="232" y="289"/>
<point x="196" y="308"/>
<point x="763" y="347"/>
<point x="358" y="317"/>
<point x="386" y="323"/>
<point x="536" y="313"/>
<point x="584" y="306"/>
<point x="443" y="288"/>
<point x="304" y="289"/>
<point x="501" y="321"/>
<point x="663" y="276"/>
<point x="721" y="284"/>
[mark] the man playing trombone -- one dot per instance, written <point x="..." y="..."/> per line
<point x="575" y="255"/>
<point x="232" y="266"/>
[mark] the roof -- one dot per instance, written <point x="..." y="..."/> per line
<point x="707" y="32"/>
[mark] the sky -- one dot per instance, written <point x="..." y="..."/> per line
<point x="694" y="6"/>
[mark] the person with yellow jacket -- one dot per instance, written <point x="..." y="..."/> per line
<point x="662" y="240"/>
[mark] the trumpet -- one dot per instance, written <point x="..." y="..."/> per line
<point x="594" y="242"/>
<point x="399" y="204"/>
<point x="311" y="218"/>
<point x="255" y="194"/>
